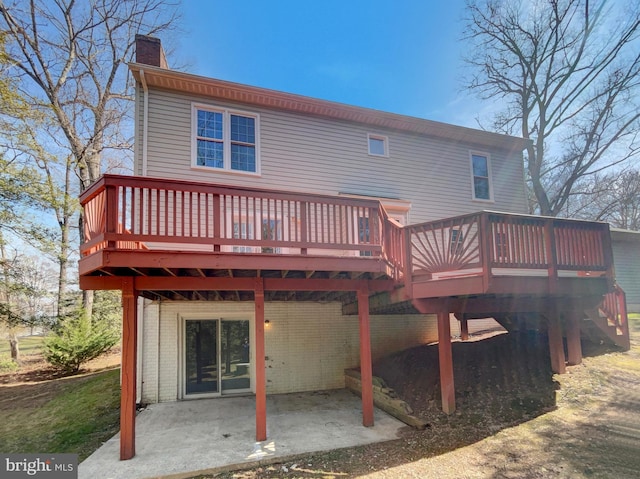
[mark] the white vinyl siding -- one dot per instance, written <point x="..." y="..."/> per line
<point x="308" y="154"/>
<point x="626" y="258"/>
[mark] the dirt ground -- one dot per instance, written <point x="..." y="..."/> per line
<point x="514" y="419"/>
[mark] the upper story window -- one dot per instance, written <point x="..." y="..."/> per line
<point x="378" y="145"/>
<point x="481" y="175"/>
<point x="225" y="140"/>
<point x="457" y="240"/>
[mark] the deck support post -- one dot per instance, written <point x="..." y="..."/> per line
<point x="556" y="346"/>
<point x="128" y="369"/>
<point x="366" y="373"/>
<point x="464" y="329"/>
<point x="261" y="383"/>
<point x="445" y="356"/>
<point x="574" y="347"/>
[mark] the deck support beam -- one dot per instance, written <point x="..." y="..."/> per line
<point x="464" y="329"/>
<point x="366" y="373"/>
<point x="556" y="346"/>
<point x="445" y="356"/>
<point x="574" y="347"/>
<point x="261" y="383"/>
<point x="128" y="369"/>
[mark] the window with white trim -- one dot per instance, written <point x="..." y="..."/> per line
<point x="244" y="229"/>
<point x="225" y="140"/>
<point x="364" y="234"/>
<point x="456" y="244"/>
<point x="378" y="145"/>
<point x="481" y="176"/>
<point x="501" y="243"/>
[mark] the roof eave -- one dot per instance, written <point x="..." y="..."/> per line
<point x="263" y="97"/>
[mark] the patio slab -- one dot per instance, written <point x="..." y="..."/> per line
<point x="182" y="439"/>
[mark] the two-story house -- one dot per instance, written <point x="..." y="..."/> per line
<point x="268" y="241"/>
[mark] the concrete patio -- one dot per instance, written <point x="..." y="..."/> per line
<point x="182" y="439"/>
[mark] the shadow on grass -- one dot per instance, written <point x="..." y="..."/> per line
<point x="37" y="387"/>
<point x="604" y="442"/>
<point x="596" y="432"/>
<point x="72" y="414"/>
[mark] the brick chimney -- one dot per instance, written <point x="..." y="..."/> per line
<point x="149" y="51"/>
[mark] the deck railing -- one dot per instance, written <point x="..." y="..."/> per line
<point x="137" y="212"/>
<point x="132" y="213"/>
<point x="614" y="307"/>
<point x="494" y="243"/>
<point x="393" y="245"/>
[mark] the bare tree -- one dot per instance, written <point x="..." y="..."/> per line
<point x="612" y="197"/>
<point x="568" y="73"/>
<point x="20" y="181"/>
<point x="25" y="287"/>
<point x="69" y="57"/>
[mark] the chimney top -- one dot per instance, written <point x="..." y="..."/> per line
<point x="149" y="51"/>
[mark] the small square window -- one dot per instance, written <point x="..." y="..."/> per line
<point x="377" y="145"/>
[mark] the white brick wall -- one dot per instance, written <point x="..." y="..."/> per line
<point x="149" y="352"/>
<point x="308" y="345"/>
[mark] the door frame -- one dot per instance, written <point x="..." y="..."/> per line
<point x="182" y="351"/>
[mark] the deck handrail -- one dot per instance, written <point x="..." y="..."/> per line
<point x="393" y="245"/>
<point x="487" y="242"/>
<point x="131" y="212"/>
<point x="614" y="307"/>
<point x="126" y="210"/>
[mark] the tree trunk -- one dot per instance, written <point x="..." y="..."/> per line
<point x="63" y="254"/>
<point x="87" y="302"/>
<point x="15" y="348"/>
<point x="63" y="260"/>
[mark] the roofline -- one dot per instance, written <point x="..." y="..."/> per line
<point x="625" y="235"/>
<point x="246" y="94"/>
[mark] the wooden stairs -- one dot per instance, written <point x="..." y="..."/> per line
<point x="607" y="322"/>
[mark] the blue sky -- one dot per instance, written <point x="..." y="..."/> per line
<point x="402" y="56"/>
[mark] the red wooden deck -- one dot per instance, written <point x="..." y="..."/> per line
<point x="193" y="241"/>
<point x="182" y="240"/>
<point x="144" y="227"/>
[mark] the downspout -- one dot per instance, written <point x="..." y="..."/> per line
<point x="158" y="351"/>
<point x="141" y="304"/>
<point x="145" y="121"/>
<point x="140" y="359"/>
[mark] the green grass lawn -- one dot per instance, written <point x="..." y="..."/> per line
<point x="72" y="415"/>
<point x="28" y="345"/>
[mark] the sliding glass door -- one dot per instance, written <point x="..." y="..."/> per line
<point x="216" y="356"/>
<point x="235" y="356"/>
